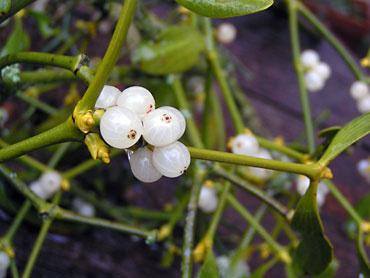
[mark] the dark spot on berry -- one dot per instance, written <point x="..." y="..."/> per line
<point x="166" y="118"/>
<point x="132" y="134"/>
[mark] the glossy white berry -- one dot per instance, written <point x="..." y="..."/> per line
<point x="4" y="263"/>
<point x="120" y="128"/>
<point x="181" y="118"/>
<point x="323" y="69"/>
<point x="172" y="160"/>
<point x="314" y="82"/>
<point x="208" y="199"/>
<point x="226" y="33"/>
<point x="50" y="182"/>
<point x="161" y="127"/>
<point x="363" y="105"/>
<point x="261" y="172"/>
<point x="107" y="98"/>
<point x="142" y="166"/>
<point x="83" y="208"/>
<point x="310" y="58"/>
<point x="245" y="144"/>
<point x="137" y="99"/>
<point x="359" y="90"/>
<point x="302" y="185"/>
<point x="36" y="188"/>
<point x="363" y="167"/>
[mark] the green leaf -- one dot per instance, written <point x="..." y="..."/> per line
<point x="17" y="41"/>
<point x="362" y="256"/>
<point x="4" y="6"/>
<point x="209" y="268"/>
<point x="329" y="132"/>
<point x="176" y="50"/>
<point x="349" y="134"/>
<point x="225" y="8"/>
<point x="314" y="252"/>
<point x="330" y="271"/>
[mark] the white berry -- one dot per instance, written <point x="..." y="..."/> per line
<point x="36" y="188"/>
<point x="261" y="172"/>
<point x="107" y="98"/>
<point x="208" y="199"/>
<point x="310" y="58"/>
<point x="4" y="263"/>
<point x="142" y="166"/>
<point x="83" y="208"/>
<point x="181" y="118"/>
<point x="363" y="167"/>
<point x="50" y="182"/>
<point x="226" y="33"/>
<point x="245" y="144"/>
<point x="302" y="185"/>
<point x="172" y="160"/>
<point x="359" y="90"/>
<point x="314" y="82"/>
<point x="323" y="69"/>
<point x="137" y="99"/>
<point x="121" y="128"/>
<point x="161" y="127"/>
<point x="363" y="105"/>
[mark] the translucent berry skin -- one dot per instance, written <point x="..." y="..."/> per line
<point x="50" y="182"/>
<point x="208" y="199"/>
<point x="172" y="160"/>
<point x="363" y="105"/>
<point x="323" y="69"/>
<point x="245" y="144"/>
<point x="107" y="98"/>
<point x="226" y="33"/>
<point x="310" y="58"/>
<point x="161" y="127"/>
<point x="262" y="172"/>
<point x="359" y="90"/>
<point x="314" y="82"/>
<point x="120" y="128"/>
<point x="181" y="118"/>
<point x="137" y="99"/>
<point x="142" y="166"/>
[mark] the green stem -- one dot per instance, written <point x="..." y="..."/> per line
<point x="294" y="37"/>
<point x="14" y="268"/>
<point x="37" y="103"/>
<point x="57" y="156"/>
<point x="40" y="240"/>
<point x="110" y="58"/>
<point x="15" y="6"/>
<point x="220" y="76"/>
<point x="61" y="133"/>
<point x="253" y="222"/>
<point x="206" y="125"/>
<point x="280" y="208"/>
<point x="343" y="201"/>
<point x="219" y="119"/>
<point x="281" y="149"/>
<point x="191" y="127"/>
<point x="186" y="265"/>
<point x="324" y="31"/>
<point x="312" y="171"/>
<point x="177" y="213"/>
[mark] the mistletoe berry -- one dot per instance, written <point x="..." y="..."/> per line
<point x="208" y="199"/>
<point x="359" y="90"/>
<point x="245" y="144"/>
<point x="226" y="33"/>
<point x="107" y="98"/>
<point x="142" y="166"/>
<point x="310" y="58"/>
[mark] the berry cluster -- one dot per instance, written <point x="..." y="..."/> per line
<point x="4" y="264"/>
<point x="47" y="185"/>
<point x="363" y="167"/>
<point x="131" y="114"/>
<point x="316" y="72"/>
<point x="246" y="144"/>
<point x="360" y="92"/>
<point x="302" y="185"/>
<point x="226" y="33"/>
<point x="208" y="198"/>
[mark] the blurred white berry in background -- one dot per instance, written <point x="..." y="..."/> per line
<point x="314" y="82"/>
<point x="310" y="58"/>
<point x="82" y="207"/>
<point x="172" y="160"/>
<point x="208" y="199"/>
<point x="47" y="185"/>
<point x="245" y="144"/>
<point x="359" y="90"/>
<point x="107" y="98"/>
<point x="137" y="99"/>
<point x="226" y="33"/>
<point x="261" y="172"/>
<point x="4" y="264"/>
<point x="302" y="185"/>
<point x="363" y="167"/>
<point x="323" y="69"/>
<point x="142" y="166"/>
<point x="363" y="105"/>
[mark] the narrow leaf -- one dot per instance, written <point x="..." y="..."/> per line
<point x="4" y="6"/>
<point x="166" y="55"/>
<point x="17" y="41"/>
<point x="209" y="268"/>
<point x="225" y="8"/>
<point x="349" y="134"/>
